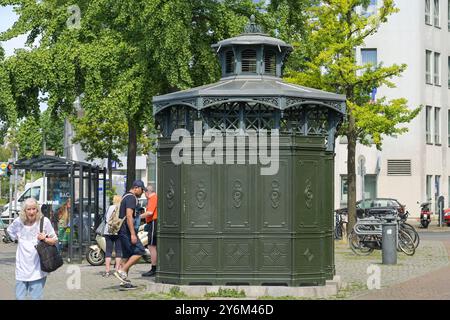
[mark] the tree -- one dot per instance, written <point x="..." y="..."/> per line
<point x="334" y="31"/>
<point x="35" y="133"/>
<point x="29" y="138"/>
<point x="8" y="113"/>
<point x="122" y="53"/>
<point x="107" y="122"/>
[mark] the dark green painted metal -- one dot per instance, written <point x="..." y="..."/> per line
<point x="227" y="224"/>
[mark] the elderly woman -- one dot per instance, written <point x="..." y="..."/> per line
<point x="30" y="279"/>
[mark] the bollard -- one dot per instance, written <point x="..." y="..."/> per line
<point x="389" y="243"/>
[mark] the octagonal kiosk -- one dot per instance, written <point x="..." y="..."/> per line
<point x="251" y="201"/>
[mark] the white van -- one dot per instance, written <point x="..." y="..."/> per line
<point x="33" y="189"/>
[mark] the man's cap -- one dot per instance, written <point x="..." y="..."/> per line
<point x="140" y="184"/>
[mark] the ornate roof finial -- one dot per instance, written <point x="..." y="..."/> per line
<point x="252" y="27"/>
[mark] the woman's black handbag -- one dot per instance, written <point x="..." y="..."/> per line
<point x="48" y="254"/>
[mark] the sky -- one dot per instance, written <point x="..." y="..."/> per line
<point x="7" y="19"/>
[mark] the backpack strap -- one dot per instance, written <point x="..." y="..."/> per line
<point x="41" y="225"/>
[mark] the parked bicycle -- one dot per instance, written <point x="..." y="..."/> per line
<point x="340" y="228"/>
<point x="366" y="236"/>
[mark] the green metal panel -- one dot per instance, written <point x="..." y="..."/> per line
<point x="227" y="224"/>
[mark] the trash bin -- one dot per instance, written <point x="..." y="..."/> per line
<point x="389" y="243"/>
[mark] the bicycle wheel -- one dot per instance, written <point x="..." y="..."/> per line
<point x="412" y="232"/>
<point x="356" y="244"/>
<point x="406" y="243"/>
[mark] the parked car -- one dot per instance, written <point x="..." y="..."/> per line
<point x="378" y="205"/>
<point x="447" y="216"/>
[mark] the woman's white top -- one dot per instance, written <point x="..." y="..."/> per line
<point x="28" y="267"/>
<point x="108" y="215"/>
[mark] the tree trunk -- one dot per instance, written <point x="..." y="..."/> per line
<point x="131" y="156"/>
<point x="351" y="173"/>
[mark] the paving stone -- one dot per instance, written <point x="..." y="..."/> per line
<point x="352" y="270"/>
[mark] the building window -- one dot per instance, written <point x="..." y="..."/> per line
<point x="229" y="61"/>
<point x="448" y="195"/>
<point x="270" y="66"/>
<point x="428" y="123"/>
<point x="429" y="178"/>
<point x="448" y="130"/>
<point x="344" y="189"/>
<point x="428" y="66"/>
<point x="428" y="12"/>
<point x="249" y="61"/>
<point x="437" y="74"/>
<point x="436" y="13"/>
<point x="371" y="9"/>
<point x="437" y="186"/>
<point x="437" y="127"/>
<point x="449" y="71"/>
<point x="369" y="56"/>
<point x="448" y="9"/>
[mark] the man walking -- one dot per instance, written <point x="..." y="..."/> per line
<point x="132" y="248"/>
<point x="151" y="216"/>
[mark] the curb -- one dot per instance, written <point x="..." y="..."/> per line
<point x="331" y="288"/>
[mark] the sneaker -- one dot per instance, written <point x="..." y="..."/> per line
<point x="106" y="274"/>
<point x="128" y="286"/>
<point x="122" y="276"/>
<point x="151" y="273"/>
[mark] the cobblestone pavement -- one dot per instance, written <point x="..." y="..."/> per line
<point x="433" y="285"/>
<point x="430" y="256"/>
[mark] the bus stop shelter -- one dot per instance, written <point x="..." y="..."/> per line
<point x="72" y="200"/>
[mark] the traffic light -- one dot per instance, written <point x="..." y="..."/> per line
<point x="9" y="169"/>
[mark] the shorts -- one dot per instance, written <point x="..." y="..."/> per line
<point x="113" y="241"/>
<point x="151" y="229"/>
<point x="129" y="249"/>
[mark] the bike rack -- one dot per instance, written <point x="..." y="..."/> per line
<point x="364" y="227"/>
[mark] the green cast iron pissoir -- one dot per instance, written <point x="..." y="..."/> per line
<point x="228" y="224"/>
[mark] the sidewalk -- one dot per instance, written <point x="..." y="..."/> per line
<point x="434" y="285"/>
<point x="429" y="257"/>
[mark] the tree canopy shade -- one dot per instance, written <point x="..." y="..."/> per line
<point x="118" y="54"/>
<point x="8" y="113"/>
<point x="335" y="29"/>
<point x="38" y="133"/>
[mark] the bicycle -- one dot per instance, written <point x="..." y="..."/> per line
<point x="366" y="237"/>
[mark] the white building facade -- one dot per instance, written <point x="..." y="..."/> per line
<point x="413" y="167"/>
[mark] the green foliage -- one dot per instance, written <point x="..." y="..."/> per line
<point x="32" y="131"/>
<point x="5" y="154"/>
<point x="176" y="292"/>
<point x="334" y="31"/>
<point x="110" y="193"/>
<point x="227" y="293"/>
<point x="29" y="138"/>
<point x="8" y="113"/>
<point x="123" y="54"/>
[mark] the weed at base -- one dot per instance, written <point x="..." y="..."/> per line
<point x="226" y="293"/>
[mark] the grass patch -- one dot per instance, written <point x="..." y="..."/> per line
<point x="286" y="298"/>
<point x="175" y="292"/>
<point x="352" y="289"/>
<point x="226" y="293"/>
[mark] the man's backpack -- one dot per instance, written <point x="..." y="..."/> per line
<point x="114" y="221"/>
<point x="49" y="256"/>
